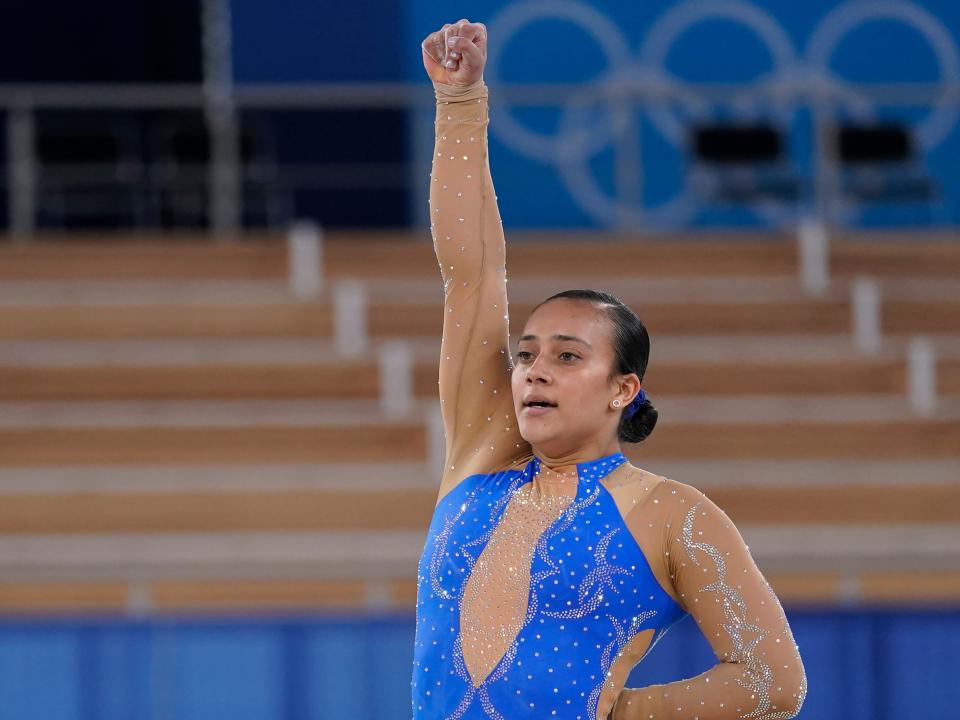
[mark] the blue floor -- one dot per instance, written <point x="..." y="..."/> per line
<point x="861" y="665"/>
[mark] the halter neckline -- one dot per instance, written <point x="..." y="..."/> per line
<point x="589" y="471"/>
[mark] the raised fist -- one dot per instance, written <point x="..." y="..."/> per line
<point x="456" y="54"/>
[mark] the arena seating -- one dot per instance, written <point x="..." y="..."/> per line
<point x="178" y="433"/>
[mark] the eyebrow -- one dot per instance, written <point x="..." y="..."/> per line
<point x="560" y="338"/>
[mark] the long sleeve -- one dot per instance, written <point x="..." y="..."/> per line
<point x="760" y="674"/>
<point x="475" y="395"/>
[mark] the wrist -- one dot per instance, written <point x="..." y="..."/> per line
<point x="454" y="93"/>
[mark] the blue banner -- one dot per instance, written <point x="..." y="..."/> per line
<point x="581" y="164"/>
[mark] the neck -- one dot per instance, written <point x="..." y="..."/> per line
<point x="560" y="460"/>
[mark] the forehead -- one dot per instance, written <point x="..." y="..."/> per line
<point x="566" y="316"/>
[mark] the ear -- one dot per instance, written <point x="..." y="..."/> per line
<point x="627" y="388"/>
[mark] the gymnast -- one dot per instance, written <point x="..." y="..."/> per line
<point x="552" y="565"/>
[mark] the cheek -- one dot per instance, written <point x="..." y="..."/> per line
<point x="588" y="389"/>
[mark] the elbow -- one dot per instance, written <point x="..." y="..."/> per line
<point x="789" y="689"/>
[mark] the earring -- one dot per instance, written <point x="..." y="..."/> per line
<point x="616" y="403"/>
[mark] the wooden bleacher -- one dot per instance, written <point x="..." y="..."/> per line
<point x="178" y="434"/>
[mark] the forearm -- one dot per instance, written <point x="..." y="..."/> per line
<point x="463" y="212"/>
<point x="468" y="239"/>
<point x="727" y="691"/>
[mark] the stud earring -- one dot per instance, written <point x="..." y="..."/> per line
<point x="616" y="403"/>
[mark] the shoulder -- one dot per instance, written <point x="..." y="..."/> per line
<point x="686" y="510"/>
<point x="636" y="484"/>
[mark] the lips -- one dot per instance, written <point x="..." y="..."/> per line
<point x="536" y="405"/>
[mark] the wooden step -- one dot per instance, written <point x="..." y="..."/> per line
<point x="417" y="476"/>
<point x="948" y="376"/>
<point x="305" y="595"/>
<point x="357" y="379"/>
<point x="878" y="439"/>
<point x="873" y="588"/>
<point x="385" y="510"/>
<point x="912" y="318"/>
<point x="171" y="445"/>
<point x="227" y="381"/>
<point x="314" y="319"/>
<point x="370" y="442"/>
<point x="166" y="321"/>
<point x="380" y="254"/>
<point x="384" y="320"/>
<point x="209" y="595"/>
<point x="125" y="257"/>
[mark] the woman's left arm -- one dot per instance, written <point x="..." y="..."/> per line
<point x="760" y="674"/>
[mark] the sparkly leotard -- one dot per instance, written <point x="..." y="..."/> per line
<point x="536" y="594"/>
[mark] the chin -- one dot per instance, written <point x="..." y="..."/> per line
<point x="538" y="433"/>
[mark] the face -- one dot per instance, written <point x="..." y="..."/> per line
<point x="562" y="381"/>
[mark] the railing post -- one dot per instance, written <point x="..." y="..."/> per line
<point x="865" y="309"/>
<point x="21" y="172"/>
<point x="224" y="172"/>
<point x="377" y="594"/>
<point x="349" y="318"/>
<point x="396" y="378"/>
<point x="922" y="376"/>
<point x="305" y="260"/>
<point x="139" y="598"/>
<point x="814" y="255"/>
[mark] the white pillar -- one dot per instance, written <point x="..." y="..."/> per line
<point x="349" y="318"/>
<point x="813" y="249"/>
<point x="305" y="260"/>
<point x="377" y="595"/>
<point x="922" y="376"/>
<point x="850" y="589"/>
<point x="865" y="309"/>
<point x="396" y="378"/>
<point x="139" y="599"/>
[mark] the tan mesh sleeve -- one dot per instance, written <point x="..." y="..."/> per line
<point x="760" y="674"/>
<point x="468" y="238"/>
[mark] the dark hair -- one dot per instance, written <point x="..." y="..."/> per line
<point x="631" y="345"/>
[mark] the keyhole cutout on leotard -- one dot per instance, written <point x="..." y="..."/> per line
<point x="496" y="595"/>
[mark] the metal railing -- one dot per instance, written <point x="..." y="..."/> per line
<point x="823" y="99"/>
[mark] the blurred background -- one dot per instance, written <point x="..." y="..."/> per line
<point x="220" y="320"/>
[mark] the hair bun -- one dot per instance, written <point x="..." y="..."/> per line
<point x="638" y="426"/>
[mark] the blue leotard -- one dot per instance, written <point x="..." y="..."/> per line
<point x="591" y="590"/>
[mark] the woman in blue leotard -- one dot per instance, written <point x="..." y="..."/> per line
<point x="552" y="565"/>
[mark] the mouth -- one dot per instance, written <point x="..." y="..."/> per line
<point x="538" y="407"/>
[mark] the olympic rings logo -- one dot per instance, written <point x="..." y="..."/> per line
<point x="579" y="137"/>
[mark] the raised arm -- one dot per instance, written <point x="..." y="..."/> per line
<point x="475" y="394"/>
<point x="760" y="674"/>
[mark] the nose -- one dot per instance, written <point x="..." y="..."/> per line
<point x="536" y="372"/>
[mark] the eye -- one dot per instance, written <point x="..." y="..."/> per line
<point x="567" y="356"/>
<point x="524" y="355"/>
